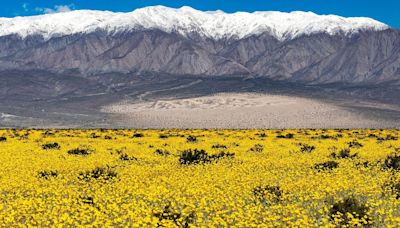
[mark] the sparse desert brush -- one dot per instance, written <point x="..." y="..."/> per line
<point x="224" y="178"/>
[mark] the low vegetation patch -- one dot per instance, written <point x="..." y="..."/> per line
<point x="257" y="148"/>
<point x="169" y="214"/>
<point x="268" y="194"/>
<point x="325" y="166"/>
<point x="191" y="139"/>
<point x="347" y="209"/>
<point x="162" y="152"/>
<point x="101" y="173"/>
<point x="305" y="148"/>
<point x="392" y="162"/>
<point x="47" y="174"/>
<point x="3" y="139"/>
<point x="287" y="136"/>
<point x="81" y="151"/>
<point x="189" y="157"/>
<point x="51" y="146"/>
<point x="344" y="153"/>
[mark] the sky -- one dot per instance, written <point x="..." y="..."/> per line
<point x="387" y="11"/>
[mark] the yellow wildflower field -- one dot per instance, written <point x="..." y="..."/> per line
<point x="200" y="178"/>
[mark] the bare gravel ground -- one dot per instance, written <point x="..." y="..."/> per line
<point x="250" y="110"/>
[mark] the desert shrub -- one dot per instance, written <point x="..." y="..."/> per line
<point x="305" y="148"/>
<point x="268" y="194"/>
<point x="261" y="135"/>
<point x="347" y="206"/>
<point x="221" y="155"/>
<point x="81" y="151"/>
<point x="48" y="133"/>
<point x="102" y="173"/>
<point x="344" y="153"/>
<point x="355" y="144"/>
<point x="287" y="136"/>
<point x="170" y="214"/>
<point x="138" y="135"/>
<point x="107" y="137"/>
<point x="191" y="139"/>
<point x="257" y="148"/>
<point x="218" y="146"/>
<point x="47" y="174"/>
<point x="196" y="156"/>
<point x="325" y="166"/>
<point x="51" y="146"/>
<point x="3" y="139"/>
<point x="163" y="136"/>
<point x="387" y="138"/>
<point x="392" y="162"/>
<point x="93" y="136"/>
<point x="126" y="157"/>
<point x="87" y="200"/>
<point x="162" y="152"/>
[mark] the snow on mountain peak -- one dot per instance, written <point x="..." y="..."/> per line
<point x="186" y="20"/>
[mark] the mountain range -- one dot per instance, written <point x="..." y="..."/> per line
<point x="86" y="53"/>
<point x="296" y="46"/>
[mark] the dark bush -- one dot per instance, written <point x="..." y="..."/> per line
<point x="126" y="157"/>
<point x="176" y="217"/>
<point x="88" y="200"/>
<point x="196" y="156"/>
<point x="80" y="151"/>
<point x="162" y="152"/>
<point x="268" y="194"/>
<point x="345" y="153"/>
<point x="102" y="173"/>
<point x="355" y="144"/>
<point x="257" y="148"/>
<point x="138" y="135"/>
<point x="221" y="155"/>
<point x="329" y="165"/>
<point x="218" y="146"/>
<point x="349" y="205"/>
<point x="392" y="162"/>
<point x="163" y="136"/>
<point x="3" y="139"/>
<point x="93" y="136"/>
<point x="47" y="174"/>
<point x="51" y="146"/>
<point x="107" y="137"/>
<point x="287" y="136"/>
<point x="261" y="135"/>
<point x="191" y="139"/>
<point x="305" y="148"/>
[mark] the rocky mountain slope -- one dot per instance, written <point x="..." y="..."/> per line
<point x="298" y="46"/>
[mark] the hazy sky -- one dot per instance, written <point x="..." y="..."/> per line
<point x="387" y="11"/>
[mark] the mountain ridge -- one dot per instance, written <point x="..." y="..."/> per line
<point x="186" y="20"/>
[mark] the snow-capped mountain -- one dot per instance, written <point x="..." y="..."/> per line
<point x="185" y="21"/>
<point x="297" y="46"/>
